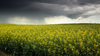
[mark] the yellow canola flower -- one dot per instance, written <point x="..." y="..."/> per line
<point x="80" y="40"/>
<point x="40" y="48"/>
<point x="83" y="38"/>
<point x="92" y="37"/>
<point x="40" y="43"/>
<point x="51" y="38"/>
<point x="62" y="52"/>
<point x="68" y="37"/>
<point x="44" y="49"/>
<point x="60" y="39"/>
<point x="95" y="45"/>
<point x="98" y="52"/>
<point x="95" y="40"/>
<point x="34" y="46"/>
<point x="81" y="44"/>
<point x="49" y="50"/>
<point x="65" y="50"/>
<point x="54" y="51"/>
<point x="59" y="49"/>
<point x="70" y="45"/>
<point x="21" y="44"/>
<point x="77" y="51"/>
<point x="38" y="34"/>
<point x="65" y="41"/>
<point x="83" y="47"/>
<point x="88" y="49"/>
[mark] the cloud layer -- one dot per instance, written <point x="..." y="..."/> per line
<point x="38" y="10"/>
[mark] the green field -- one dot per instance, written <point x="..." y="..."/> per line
<point x="50" y="40"/>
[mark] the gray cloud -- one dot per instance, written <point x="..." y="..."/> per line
<point x="84" y="2"/>
<point x="73" y="12"/>
<point x="39" y="9"/>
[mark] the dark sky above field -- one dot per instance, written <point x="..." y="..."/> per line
<point x="49" y="11"/>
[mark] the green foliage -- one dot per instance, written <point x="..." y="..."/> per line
<point x="50" y="40"/>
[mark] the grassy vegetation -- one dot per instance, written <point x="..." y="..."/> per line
<point x="50" y="40"/>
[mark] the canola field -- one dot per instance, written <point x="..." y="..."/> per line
<point x="50" y="40"/>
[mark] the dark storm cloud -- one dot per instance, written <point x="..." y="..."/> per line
<point x="15" y="4"/>
<point x="39" y="9"/>
<point x="84" y="2"/>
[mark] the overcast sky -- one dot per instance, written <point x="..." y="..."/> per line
<point x="49" y="11"/>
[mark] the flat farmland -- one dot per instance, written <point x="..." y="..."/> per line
<point x="50" y="40"/>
